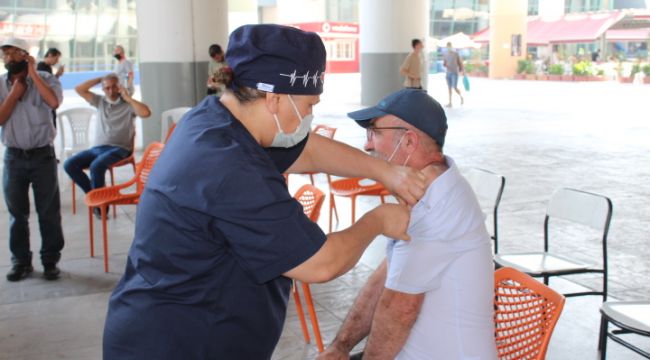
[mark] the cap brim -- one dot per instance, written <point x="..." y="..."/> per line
<point x="363" y="117"/>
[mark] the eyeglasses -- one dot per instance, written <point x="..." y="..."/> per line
<point x="370" y="130"/>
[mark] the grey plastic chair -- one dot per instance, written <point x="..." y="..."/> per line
<point x="78" y="120"/>
<point x="169" y="117"/>
<point x="575" y="206"/>
<point x="488" y="188"/>
<point x="631" y="317"/>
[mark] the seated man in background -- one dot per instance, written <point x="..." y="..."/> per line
<point x="432" y="297"/>
<point x="114" y="133"/>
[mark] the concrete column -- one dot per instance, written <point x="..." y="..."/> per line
<point x="386" y="29"/>
<point x="173" y="41"/>
<point x="507" y="20"/>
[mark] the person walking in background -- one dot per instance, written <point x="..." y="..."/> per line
<point x="51" y="58"/>
<point x="123" y="69"/>
<point x="454" y="65"/>
<point x="412" y="66"/>
<point x="217" y="61"/>
<point x="27" y="99"/>
<point x="116" y="112"/>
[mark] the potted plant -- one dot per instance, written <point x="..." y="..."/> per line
<point x="522" y="65"/>
<point x="555" y="72"/>
<point x="582" y="71"/>
<point x="646" y="71"/>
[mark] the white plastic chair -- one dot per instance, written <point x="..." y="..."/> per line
<point x="488" y="188"/>
<point x="171" y="116"/>
<point x="78" y="120"/>
<point x="631" y="317"/>
<point x="577" y="207"/>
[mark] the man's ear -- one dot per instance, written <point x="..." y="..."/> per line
<point x="412" y="140"/>
<point x="272" y="102"/>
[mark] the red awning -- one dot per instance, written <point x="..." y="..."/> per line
<point x="572" y="28"/>
<point x="628" y="35"/>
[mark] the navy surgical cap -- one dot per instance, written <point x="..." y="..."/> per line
<point x="278" y="59"/>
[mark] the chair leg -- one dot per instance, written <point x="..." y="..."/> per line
<point x="301" y="313"/>
<point x="104" y="212"/>
<point x="329" y="183"/>
<point x="113" y="184"/>
<point x="312" y="315"/>
<point x="332" y="206"/>
<point x="311" y="179"/>
<point x="353" y="198"/>
<point x="74" y="198"/>
<point x="602" y="338"/>
<point x="92" y="233"/>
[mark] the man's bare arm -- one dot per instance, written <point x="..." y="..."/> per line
<point x="359" y="319"/>
<point x="394" y="317"/>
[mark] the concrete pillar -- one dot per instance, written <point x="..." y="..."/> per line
<point x="507" y="30"/>
<point x="173" y="41"/>
<point x="386" y="29"/>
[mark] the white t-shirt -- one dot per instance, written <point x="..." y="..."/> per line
<point x="449" y="259"/>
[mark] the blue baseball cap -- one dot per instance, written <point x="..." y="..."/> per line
<point x="413" y="106"/>
<point x="276" y="58"/>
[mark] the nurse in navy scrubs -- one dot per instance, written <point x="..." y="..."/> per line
<point x="218" y="237"/>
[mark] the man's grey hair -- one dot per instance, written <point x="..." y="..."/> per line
<point x="111" y="76"/>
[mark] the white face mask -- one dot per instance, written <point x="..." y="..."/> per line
<point x="395" y="151"/>
<point x="285" y="140"/>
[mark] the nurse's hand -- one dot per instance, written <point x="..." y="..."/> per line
<point x="406" y="183"/>
<point x="394" y="220"/>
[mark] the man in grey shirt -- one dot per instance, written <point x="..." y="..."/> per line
<point x="115" y="130"/>
<point x="454" y="65"/>
<point x="27" y="98"/>
<point x="124" y="69"/>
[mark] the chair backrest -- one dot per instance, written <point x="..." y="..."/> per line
<point x="311" y="199"/>
<point x="78" y="120"/>
<point x="149" y="158"/>
<point x="324" y="130"/>
<point x="525" y="315"/>
<point x="172" y="127"/>
<point x="582" y="207"/>
<point x="488" y="188"/>
<point x="171" y="116"/>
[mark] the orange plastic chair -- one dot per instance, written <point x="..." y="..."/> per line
<point x="126" y="161"/>
<point x="112" y="195"/>
<point x="311" y="199"/>
<point x="525" y="315"/>
<point x="328" y="132"/>
<point x="353" y="187"/>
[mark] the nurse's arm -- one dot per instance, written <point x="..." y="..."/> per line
<point x="322" y="154"/>
<point x="342" y="249"/>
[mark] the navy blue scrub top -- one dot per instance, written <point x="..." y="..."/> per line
<point x="215" y="230"/>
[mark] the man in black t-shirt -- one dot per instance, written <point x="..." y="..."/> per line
<point x="51" y="58"/>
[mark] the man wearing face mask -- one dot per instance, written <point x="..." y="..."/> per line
<point x="218" y="237"/>
<point x="114" y="133"/>
<point x="432" y="296"/>
<point x="27" y="99"/>
<point x="124" y="69"/>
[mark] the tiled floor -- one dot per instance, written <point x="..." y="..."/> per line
<point x="539" y="135"/>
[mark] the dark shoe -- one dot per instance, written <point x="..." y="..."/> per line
<point x="98" y="212"/>
<point x="19" y="272"/>
<point x="51" y="272"/>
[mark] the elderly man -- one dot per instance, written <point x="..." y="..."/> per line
<point x="432" y="297"/>
<point x="116" y="112"/>
<point x="27" y="99"/>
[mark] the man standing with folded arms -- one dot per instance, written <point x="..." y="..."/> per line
<point x="27" y="98"/>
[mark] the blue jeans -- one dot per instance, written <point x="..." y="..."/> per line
<point x="97" y="159"/>
<point x="36" y="167"/>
